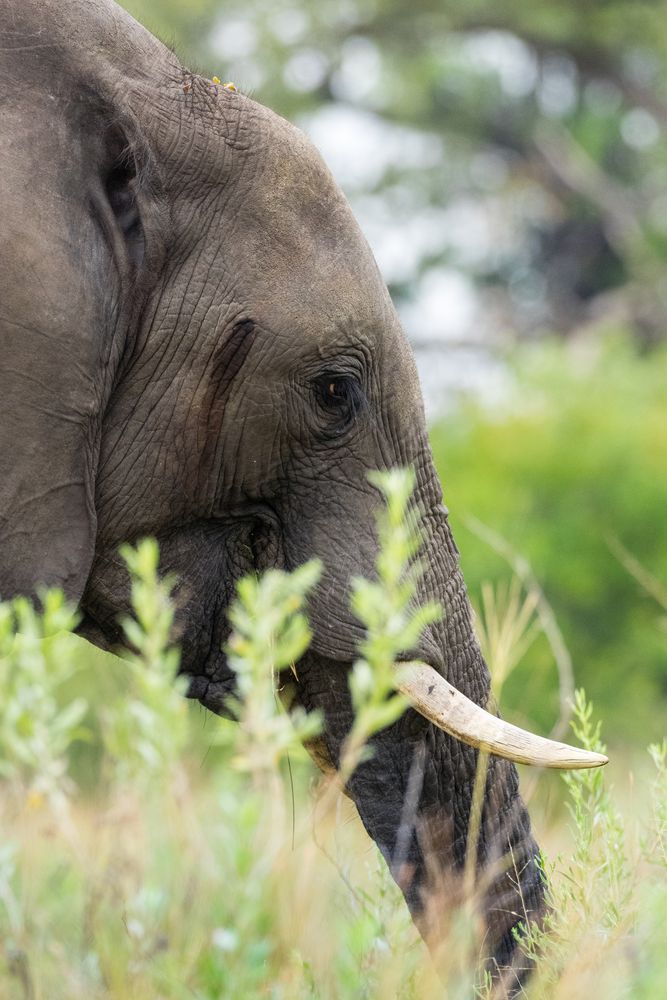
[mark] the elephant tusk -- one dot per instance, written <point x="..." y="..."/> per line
<point x="447" y="708"/>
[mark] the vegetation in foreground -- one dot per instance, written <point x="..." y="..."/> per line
<point x="148" y="850"/>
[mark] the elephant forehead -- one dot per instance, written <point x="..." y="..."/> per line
<point x="287" y="201"/>
<point x="296" y="244"/>
<point x="325" y="303"/>
<point x="322" y="294"/>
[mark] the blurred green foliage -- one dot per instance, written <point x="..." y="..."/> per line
<point x="182" y="24"/>
<point x="36" y="730"/>
<point x="576" y="459"/>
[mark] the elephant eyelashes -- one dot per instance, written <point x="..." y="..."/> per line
<point x="121" y="192"/>
<point x="336" y="392"/>
<point x="340" y="396"/>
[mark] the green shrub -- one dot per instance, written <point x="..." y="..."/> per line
<point x="36" y="730"/>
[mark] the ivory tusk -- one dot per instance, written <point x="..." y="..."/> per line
<point x="446" y="707"/>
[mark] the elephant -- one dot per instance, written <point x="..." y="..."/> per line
<point x="197" y="345"/>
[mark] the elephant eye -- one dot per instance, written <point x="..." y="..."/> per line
<point x="336" y="391"/>
<point x="339" y="395"/>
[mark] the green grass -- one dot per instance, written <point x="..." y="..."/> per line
<point x="152" y="851"/>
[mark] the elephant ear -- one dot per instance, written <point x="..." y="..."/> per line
<point x="71" y="244"/>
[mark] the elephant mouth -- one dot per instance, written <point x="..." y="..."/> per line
<point x="448" y="709"/>
<point x="427" y="691"/>
<point x="211" y="680"/>
<point x="445" y="706"/>
<point x="105" y="636"/>
<point x="212" y="694"/>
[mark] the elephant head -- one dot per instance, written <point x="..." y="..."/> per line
<point x="197" y="345"/>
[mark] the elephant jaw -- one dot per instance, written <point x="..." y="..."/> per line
<point x="448" y="709"/>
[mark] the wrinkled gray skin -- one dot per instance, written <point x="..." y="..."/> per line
<point x="180" y="283"/>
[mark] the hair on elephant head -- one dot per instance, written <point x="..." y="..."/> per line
<point x="197" y="345"/>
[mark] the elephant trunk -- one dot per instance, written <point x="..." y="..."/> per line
<point x="440" y="826"/>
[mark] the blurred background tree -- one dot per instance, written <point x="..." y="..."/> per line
<point x="515" y="151"/>
<point x="508" y="164"/>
